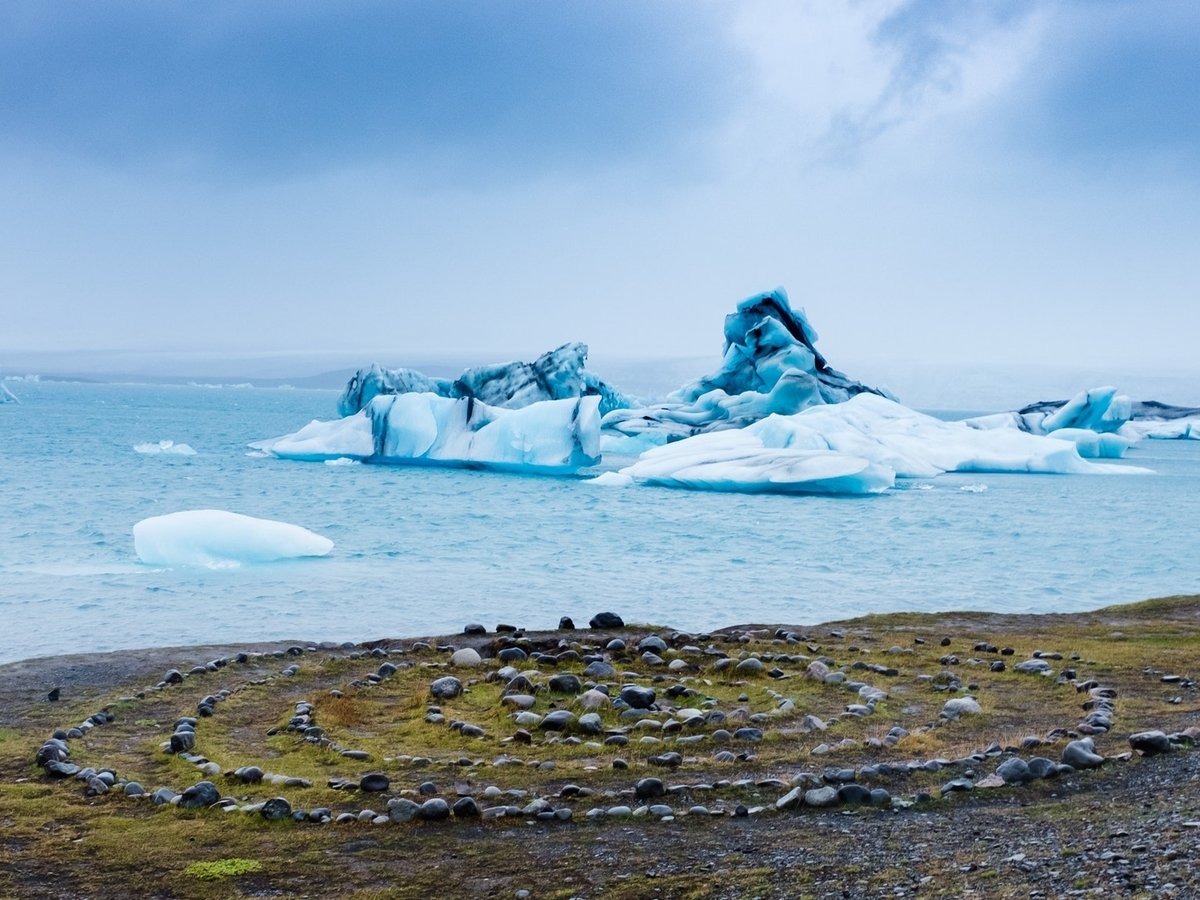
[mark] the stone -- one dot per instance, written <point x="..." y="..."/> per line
<point x="557" y="720"/>
<point x="200" y="795"/>
<point x="1150" y="743"/>
<point x="1033" y="667"/>
<point x="957" y="785"/>
<point x="475" y="628"/>
<point x="374" y="782"/>
<point x="512" y="654"/>
<point x="465" y="808"/>
<point x="1040" y="767"/>
<point x="174" y="676"/>
<point x="821" y="797"/>
<point x="467" y="657"/>
<point x="435" y="810"/>
<point x="652" y="643"/>
<point x="276" y="809"/>
<point x="182" y="741"/>
<point x="960" y="706"/>
<point x="593" y="699"/>
<point x="446" y="688"/>
<point x="590" y="723"/>
<point x="1081" y="754"/>
<point x="401" y="809"/>
<point x="606" y="620"/>
<point x="566" y="684"/>
<point x="649" y="788"/>
<point x="854" y="794"/>
<point x="599" y="669"/>
<point x="792" y="799"/>
<point x="750" y="666"/>
<point x="1015" y="771"/>
<point x="566" y="624"/>
<point x="638" y="697"/>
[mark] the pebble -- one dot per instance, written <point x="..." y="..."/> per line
<point x="401" y="809"/>
<point x="199" y="795"/>
<point x="467" y="657"/>
<point x="638" y="697"/>
<point x="276" y="809"/>
<point x="374" y="781"/>
<point x="606" y="620"/>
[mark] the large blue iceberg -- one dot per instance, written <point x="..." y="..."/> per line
<point x="771" y="366"/>
<point x="552" y="437"/>
<point x="560" y="374"/>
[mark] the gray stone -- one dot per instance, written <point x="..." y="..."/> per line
<point x="1015" y="771"/>
<point x="183" y="740"/>
<point x="1082" y="754"/>
<point x="434" y="810"/>
<point x="446" y="688"/>
<point x="606" y="620"/>
<point x="652" y="643"/>
<point x="649" y="788"/>
<point x="638" y="697"/>
<point x="1150" y="743"/>
<point x="566" y="684"/>
<point x="590" y="723"/>
<point x="821" y="797"/>
<point x="199" y="795"/>
<point x="401" y="809"/>
<point x="557" y="720"/>
<point x="599" y="669"/>
<point x="374" y="781"/>
<point x="854" y="795"/>
<point x="960" y="706"/>
<point x="465" y="808"/>
<point x="1040" y="767"/>
<point x="791" y="800"/>
<point x="750" y="666"/>
<point x="467" y="657"/>
<point x="133" y="789"/>
<point x="275" y="809"/>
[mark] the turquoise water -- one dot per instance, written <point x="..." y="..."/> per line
<point x="427" y="550"/>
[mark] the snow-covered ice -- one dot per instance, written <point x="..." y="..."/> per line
<point x="169" y="448"/>
<point x="216" y="538"/>
<point x="548" y="437"/>
<point x="857" y="447"/>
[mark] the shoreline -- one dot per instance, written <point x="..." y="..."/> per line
<point x="908" y="754"/>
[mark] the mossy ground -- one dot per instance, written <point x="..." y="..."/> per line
<point x="56" y="842"/>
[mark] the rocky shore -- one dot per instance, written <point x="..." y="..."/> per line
<point x="954" y="755"/>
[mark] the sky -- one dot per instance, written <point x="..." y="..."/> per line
<point x="935" y="181"/>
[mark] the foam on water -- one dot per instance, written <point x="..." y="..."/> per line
<point x="427" y="550"/>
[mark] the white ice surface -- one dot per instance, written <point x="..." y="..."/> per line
<point x="215" y="538"/>
<point x="548" y="437"/>
<point x="859" y="446"/>
<point x="168" y="448"/>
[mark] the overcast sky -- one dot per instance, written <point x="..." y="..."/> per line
<point x="939" y="181"/>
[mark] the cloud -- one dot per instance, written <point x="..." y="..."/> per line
<point x="255" y="88"/>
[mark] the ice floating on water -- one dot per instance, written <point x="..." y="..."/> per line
<point x="771" y="366"/>
<point x="974" y="488"/>
<point x="7" y="396"/>
<point x="342" y="461"/>
<point x="1100" y="421"/>
<point x="556" y="375"/>
<point x="169" y="448"/>
<point x="856" y="447"/>
<point x="215" y="538"/>
<point x="549" y="437"/>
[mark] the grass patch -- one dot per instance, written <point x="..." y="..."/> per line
<point x="222" y="868"/>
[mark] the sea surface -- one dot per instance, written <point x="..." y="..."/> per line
<point x="423" y="550"/>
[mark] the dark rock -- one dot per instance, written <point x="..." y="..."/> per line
<point x="599" y="669"/>
<point x="435" y="810"/>
<point x="276" y="809"/>
<point x="401" y="809"/>
<point x="374" y="781"/>
<point x="638" y="697"/>
<point x="557" y="720"/>
<point x="1040" y="767"/>
<point x="474" y="628"/>
<point x="854" y="795"/>
<point x="446" y="688"/>
<point x="200" y="795"/>
<point x="566" y="684"/>
<point x="649" y="788"/>
<point x="1082" y="754"/>
<point x="512" y="654"/>
<point x="54" y="694"/>
<point x="566" y="624"/>
<point x="465" y="808"/>
<point x="1150" y="743"/>
<point x="1015" y="771"/>
<point x="174" y="676"/>
<point x="606" y="620"/>
<point x="182" y="741"/>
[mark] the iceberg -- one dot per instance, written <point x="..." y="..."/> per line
<point x="771" y="366"/>
<point x="214" y="538"/>
<point x="7" y="396"/>
<point x="1102" y="422"/>
<point x="859" y="446"/>
<point x="559" y="374"/>
<point x="550" y="437"/>
<point x="169" y="448"/>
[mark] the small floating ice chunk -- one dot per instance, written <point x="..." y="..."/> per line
<point x="974" y="488"/>
<point x="215" y="538"/>
<point x="169" y="448"/>
<point x="342" y="461"/>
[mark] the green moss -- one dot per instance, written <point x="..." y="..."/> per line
<point x="222" y="868"/>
